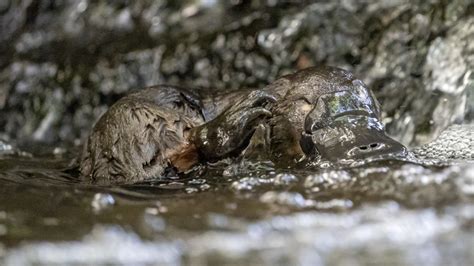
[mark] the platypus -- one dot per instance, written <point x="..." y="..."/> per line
<point x="319" y="113"/>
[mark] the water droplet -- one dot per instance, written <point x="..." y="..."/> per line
<point x="245" y="184"/>
<point x="286" y="198"/>
<point x="285" y="179"/>
<point x="102" y="201"/>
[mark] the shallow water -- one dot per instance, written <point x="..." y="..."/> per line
<point x="64" y="62"/>
<point x="393" y="212"/>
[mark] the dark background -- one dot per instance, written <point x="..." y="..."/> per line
<point x="62" y="62"/>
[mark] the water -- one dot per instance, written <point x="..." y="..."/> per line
<point x="391" y="212"/>
<point x="64" y="62"/>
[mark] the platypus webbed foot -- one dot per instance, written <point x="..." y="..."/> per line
<point x="231" y="130"/>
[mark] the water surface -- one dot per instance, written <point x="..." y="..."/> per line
<point x="393" y="212"/>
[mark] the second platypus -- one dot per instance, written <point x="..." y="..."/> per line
<point x="316" y="113"/>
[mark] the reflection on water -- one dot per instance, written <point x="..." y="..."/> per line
<point x="244" y="213"/>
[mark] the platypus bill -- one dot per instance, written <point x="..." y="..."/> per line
<point x="319" y="113"/>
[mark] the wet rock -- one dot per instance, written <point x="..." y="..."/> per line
<point x="411" y="63"/>
<point x="134" y="70"/>
<point x="34" y="101"/>
<point x="13" y="18"/>
<point x="102" y="49"/>
<point x="456" y="142"/>
<point x="454" y="52"/>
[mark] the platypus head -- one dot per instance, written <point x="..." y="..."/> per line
<point x="345" y="125"/>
